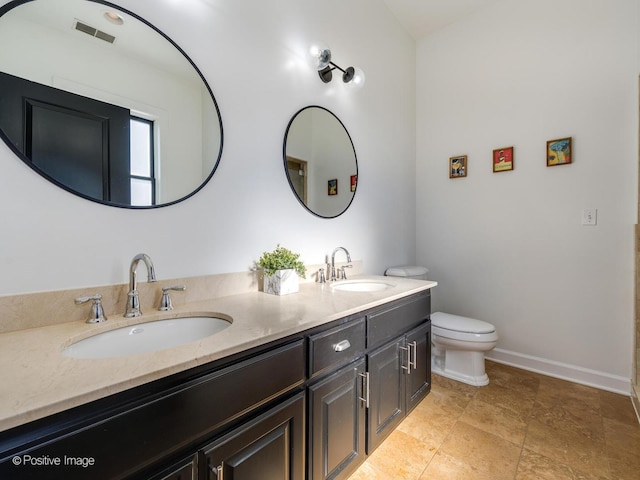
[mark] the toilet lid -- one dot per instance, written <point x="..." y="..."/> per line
<point x="460" y="324"/>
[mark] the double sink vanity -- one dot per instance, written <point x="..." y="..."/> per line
<point x="250" y="386"/>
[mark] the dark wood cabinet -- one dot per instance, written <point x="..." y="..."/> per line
<point x="392" y="370"/>
<point x="418" y="379"/>
<point x="270" y="447"/>
<point x="337" y="423"/>
<point x="184" y="470"/>
<point x="399" y="378"/>
<point x="386" y="391"/>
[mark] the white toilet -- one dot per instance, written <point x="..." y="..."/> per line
<point x="458" y="346"/>
<point x="458" y="343"/>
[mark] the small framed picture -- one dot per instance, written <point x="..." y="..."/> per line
<point x="332" y="187"/>
<point x="559" y="152"/>
<point x="458" y="166"/>
<point x="354" y="182"/>
<point x="503" y="159"/>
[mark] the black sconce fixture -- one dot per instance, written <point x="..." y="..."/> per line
<point x="321" y="60"/>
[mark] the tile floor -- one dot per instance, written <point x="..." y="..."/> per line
<point x="521" y="426"/>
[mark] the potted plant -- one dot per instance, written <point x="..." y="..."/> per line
<point x="281" y="269"/>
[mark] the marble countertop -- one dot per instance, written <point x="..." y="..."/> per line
<point x="37" y="380"/>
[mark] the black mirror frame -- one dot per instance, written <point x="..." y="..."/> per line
<point x="284" y="156"/>
<point x="16" y="3"/>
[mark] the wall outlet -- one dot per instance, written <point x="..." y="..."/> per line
<point x="589" y="216"/>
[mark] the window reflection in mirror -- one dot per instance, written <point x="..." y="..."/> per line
<point x="320" y="161"/>
<point x="71" y="79"/>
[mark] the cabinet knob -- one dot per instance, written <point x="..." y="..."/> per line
<point x="341" y="346"/>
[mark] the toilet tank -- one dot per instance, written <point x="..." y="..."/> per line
<point x="419" y="273"/>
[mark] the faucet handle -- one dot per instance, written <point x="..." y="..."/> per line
<point x="342" y="274"/>
<point x="96" y="315"/>
<point x="322" y="278"/>
<point x="165" y="302"/>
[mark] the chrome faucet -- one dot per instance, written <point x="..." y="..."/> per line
<point x="133" y="304"/>
<point x="343" y="275"/>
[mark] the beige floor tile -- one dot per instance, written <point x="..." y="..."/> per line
<point x="568" y="447"/>
<point x="571" y="396"/>
<point x="623" y="449"/>
<point x="616" y="407"/>
<point x="446" y="467"/>
<point x="367" y="471"/>
<point x="431" y="421"/>
<point x="482" y="451"/>
<point x="522" y="426"/>
<point x="509" y="399"/>
<point x="586" y="422"/>
<point x="463" y="388"/>
<point x="534" y="466"/>
<point x="401" y="456"/>
<point x="524" y="382"/>
<point x="499" y="421"/>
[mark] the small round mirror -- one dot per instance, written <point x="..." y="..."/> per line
<point x="320" y="162"/>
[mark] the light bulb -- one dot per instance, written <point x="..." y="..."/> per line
<point x="319" y="55"/>
<point x="357" y="81"/>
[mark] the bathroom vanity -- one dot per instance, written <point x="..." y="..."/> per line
<point x="327" y="376"/>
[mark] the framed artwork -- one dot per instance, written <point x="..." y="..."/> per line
<point x="559" y="152"/>
<point x="354" y="182"/>
<point x="503" y="159"/>
<point x="458" y="166"/>
<point x="332" y="187"/>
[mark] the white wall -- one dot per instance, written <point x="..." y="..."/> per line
<point x="509" y="248"/>
<point x="250" y="53"/>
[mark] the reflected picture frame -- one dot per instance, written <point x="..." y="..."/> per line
<point x="332" y="187"/>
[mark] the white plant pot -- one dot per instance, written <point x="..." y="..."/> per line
<point x="282" y="282"/>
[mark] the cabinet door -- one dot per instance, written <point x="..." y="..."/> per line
<point x="418" y="378"/>
<point x="186" y="470"/>
<point x="269" y="447"/>
<point x="337" y="418"/>
<point x="387" y="391"/>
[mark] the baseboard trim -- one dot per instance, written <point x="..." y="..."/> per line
<point x="564" y="371"/>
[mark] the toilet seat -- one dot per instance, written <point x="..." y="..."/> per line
<point x="457" y="327"/>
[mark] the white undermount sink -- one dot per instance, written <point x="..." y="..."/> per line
<point x="146" y="337"/>
<point x="361" y="286"/>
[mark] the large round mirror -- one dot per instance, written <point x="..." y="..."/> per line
<point x="320" y="161"/>
<point x="103" y="104"/>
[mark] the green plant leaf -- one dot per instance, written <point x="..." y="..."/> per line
<point x="282" y="259"/>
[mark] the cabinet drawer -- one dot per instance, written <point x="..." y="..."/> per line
<point x="398" y="318"/>
<point x="336" y="346"/>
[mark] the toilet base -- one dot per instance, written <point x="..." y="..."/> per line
<point x="479" y="381"/>
<point x="463" y="366"/>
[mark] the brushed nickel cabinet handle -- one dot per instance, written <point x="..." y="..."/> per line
<point x="341" y="346"/>
<point x="408" y="366"/>
<point x="365" y="388"/>
<point x="218" y="471"/>
<point x="414" y="354"/>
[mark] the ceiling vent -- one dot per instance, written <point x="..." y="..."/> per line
<point x="94" y="32"/>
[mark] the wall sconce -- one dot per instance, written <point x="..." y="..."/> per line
<point x="320" y="56"/>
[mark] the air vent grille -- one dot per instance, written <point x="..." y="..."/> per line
<point x="94" y="32"/>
